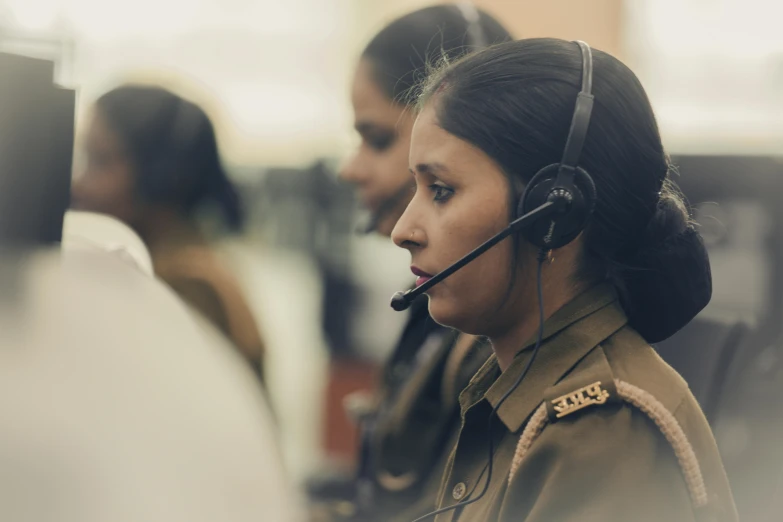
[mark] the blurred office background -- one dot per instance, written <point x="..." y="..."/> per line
<point x="275" y="77"/>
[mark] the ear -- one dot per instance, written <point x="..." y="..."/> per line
<point x="569" y="255"/>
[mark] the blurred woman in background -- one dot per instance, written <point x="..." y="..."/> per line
<point x="153" y="162"/>
<point x="408" y="435"/>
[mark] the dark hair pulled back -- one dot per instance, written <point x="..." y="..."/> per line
<point x="401" y="53"/>
<point x="515" y="102"/>
<point x="172" y="145"/>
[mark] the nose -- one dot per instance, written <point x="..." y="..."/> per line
<point x="353" y="171"/>
<point x="408" y="233"/>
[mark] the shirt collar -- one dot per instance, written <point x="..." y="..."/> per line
<point x="569" y="334"/>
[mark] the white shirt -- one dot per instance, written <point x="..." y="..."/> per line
<point x="117" y="405"/>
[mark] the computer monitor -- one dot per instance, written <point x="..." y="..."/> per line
<point x="36" y="152"/>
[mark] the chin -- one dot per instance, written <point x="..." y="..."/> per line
<point x="449" y="312"/>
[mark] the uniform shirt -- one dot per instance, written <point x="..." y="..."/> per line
<point x="408" y="442"/>
<point x="603" y="459"/>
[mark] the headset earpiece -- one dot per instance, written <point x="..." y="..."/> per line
<point x="565" y="182"/>
<point x="577" y="187"/>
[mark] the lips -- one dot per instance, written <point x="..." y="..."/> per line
<point x="422" y="276"/>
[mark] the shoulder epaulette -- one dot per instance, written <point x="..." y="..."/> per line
<point x="602" y="392"/>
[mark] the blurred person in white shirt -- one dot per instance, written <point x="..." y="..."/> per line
<point x="117" y="403"/>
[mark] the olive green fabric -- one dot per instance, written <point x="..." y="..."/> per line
<point x="604" y="462"/>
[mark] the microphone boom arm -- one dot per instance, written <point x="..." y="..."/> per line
<point x="402" y="300"/>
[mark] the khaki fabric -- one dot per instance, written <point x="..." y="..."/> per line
<point x="196" y="276"/>
<point x="607" y="461"/>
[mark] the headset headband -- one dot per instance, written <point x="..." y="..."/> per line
<point x="473" y="18"/>
<point x="582" y="111"/>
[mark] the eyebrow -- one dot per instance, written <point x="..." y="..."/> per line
<point x="430" y="169"/>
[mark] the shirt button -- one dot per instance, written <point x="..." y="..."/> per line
<point x="459" y="491"/>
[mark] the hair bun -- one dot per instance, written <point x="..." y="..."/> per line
<point x="670" y="219"/>
<point x="668" y="281"/>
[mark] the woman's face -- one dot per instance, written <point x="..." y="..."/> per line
<point x="107" y="183"/>
<point x="379" y="169"/>
<point x="461" y="200"/>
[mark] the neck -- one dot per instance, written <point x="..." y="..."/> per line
<point x="507" y="342"/>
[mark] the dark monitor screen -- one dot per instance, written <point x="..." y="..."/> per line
<point x="36" y="151"/>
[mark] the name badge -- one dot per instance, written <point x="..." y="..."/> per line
<point x="578" y="399"/>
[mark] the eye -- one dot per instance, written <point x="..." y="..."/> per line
<point x="441" y="193"/>
<point x="379" y="142"/>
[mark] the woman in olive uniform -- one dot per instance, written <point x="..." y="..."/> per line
<point x="405" y="440"/>
<point x="591" y="425"/>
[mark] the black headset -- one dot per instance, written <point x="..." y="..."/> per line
<point x="557" y="202"/>
<point x="565" y="179"/>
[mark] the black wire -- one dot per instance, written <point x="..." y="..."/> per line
<point x="540" y="258"/>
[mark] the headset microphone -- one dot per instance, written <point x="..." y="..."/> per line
<point x="556" y="205"/>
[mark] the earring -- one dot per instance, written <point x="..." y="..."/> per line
<point x="550" y="257"/>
